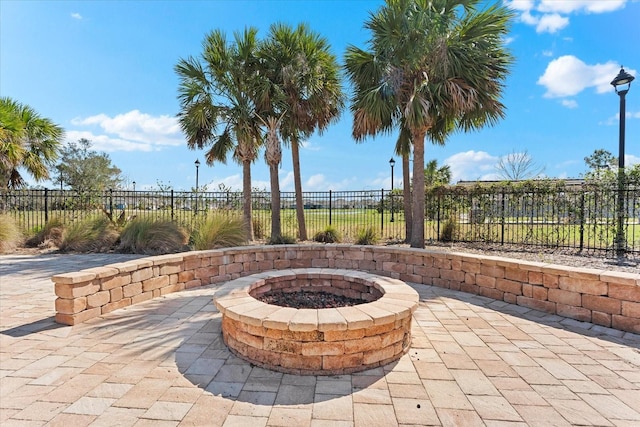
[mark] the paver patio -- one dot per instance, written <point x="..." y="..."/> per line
<point x="473" y="361"/>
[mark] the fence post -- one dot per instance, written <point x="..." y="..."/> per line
<point x="330" y="207"/>
<point x="172" y="214"/>
<point x="46" y="205"/>
<point x="502" y="219"/>
<point x="581" y="220"/>
<point x="381" y="211"/>
<point x="111" y="202"/>
<point x="438" y="217"/>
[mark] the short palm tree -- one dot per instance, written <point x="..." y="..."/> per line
<point x="27" y="141"/>
<point x="436" y="65"/>
<point x="218" y="92"/>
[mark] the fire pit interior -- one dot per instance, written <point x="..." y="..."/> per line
<point x="356" y="320"/>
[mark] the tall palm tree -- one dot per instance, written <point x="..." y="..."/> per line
<point x="27" y="141"/>
<point x="220" y="93"/>
<point x="438" y="65"/>
<point x="314" y="99"/>
<point x="300" y="94"/>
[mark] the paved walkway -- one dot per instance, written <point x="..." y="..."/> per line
<point x="473" y="361"/>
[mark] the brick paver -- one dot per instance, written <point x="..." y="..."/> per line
<point x="473" y="361"/>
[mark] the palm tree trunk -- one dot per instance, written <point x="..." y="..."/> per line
<point x="246" y="193"/>
<point x="406" y="191"/>
<point x="276" y="231"/>
<point x="417" y="201"/>
<point x="295" y="154"/>
<point x="273" y="156"/>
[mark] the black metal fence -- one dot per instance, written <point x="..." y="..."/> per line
<point x="576" y="217"/>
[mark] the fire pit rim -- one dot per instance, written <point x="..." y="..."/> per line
<point x="398" y="300"/>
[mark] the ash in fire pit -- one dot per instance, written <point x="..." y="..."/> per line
<point x="305" y="299"/>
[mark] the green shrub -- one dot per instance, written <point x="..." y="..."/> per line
<point x="89" y="235"/>
<point x="10" y="235"/>
<point x="367" y="236"/>
<point x="152" y="237"/>
<point x="50" y="235"/>
<point x="219" y="231"/>
<point x="282" y="240"/>
<point x="329" y="235"/>
<point x="449" y="230"/>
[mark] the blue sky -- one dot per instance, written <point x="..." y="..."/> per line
<point x="104" y="70"/>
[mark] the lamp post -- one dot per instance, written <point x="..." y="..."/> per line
<point x="621" y="84"/>
<point x="134" y="195"/>
<point x="392" y="163"/>
<point x="197" y="163"/>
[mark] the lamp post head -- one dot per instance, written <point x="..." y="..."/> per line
<point x="197" y="163"/>
<point x="623" y="78"/>
<point x="392" y="162"/>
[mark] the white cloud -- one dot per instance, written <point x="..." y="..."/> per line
<point x="106" y="143"/>
<point x="522" y="5"/>
<point x="76" y="15"/>
<point x="547" y="53"/>
<point x="551" y="15"/>
<point x="319" y="182"/>
<point x="571" y="6"/>
<point x="472" y="165"/>
<point x="568" y="76"/>
<point x="569" y="103"/>
<point x="136" y="131"/>
<point x="551" y="23"/>
<point x="630" y="160"/>
<point x="308" y="145"/>
<point x="613" y="120"/>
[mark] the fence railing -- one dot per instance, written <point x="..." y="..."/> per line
<point x="578" y="217"/>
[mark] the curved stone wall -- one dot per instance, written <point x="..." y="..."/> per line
<point x="607" y="298"/>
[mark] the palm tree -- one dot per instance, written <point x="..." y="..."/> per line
<point x="314" y="99"/>
<point x="220" y="93"/>
<point x="434" y="175"/>
<point x="300" y="93"/>
<point x="27" y="141"/>
<point x="439" y="65"/>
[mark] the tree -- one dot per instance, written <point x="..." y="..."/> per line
<point x="601" y="160"/>
<point x="27" y="141"/>
<point x="85" y="170"/>
<point x="299" y="93"/>
<point x="220" y="92"/>
<point x="439" y="65"/>
<point x="518" y="166"/>
<point x="434" y="175"/>
<point x="313" y="96"/>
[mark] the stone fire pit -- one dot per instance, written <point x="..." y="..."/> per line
<point x="324" y="341"/>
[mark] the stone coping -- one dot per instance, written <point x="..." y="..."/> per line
<point x="605" y="298"/>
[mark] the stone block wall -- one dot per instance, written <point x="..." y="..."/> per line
<point x="607" y="298"/>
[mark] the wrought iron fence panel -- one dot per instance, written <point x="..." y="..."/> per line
<point x="577" y="217"/>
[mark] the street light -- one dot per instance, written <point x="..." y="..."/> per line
<point x="134" y="186"/>
<point x="134" y="195"/>
<point x="392" y="163"/>
<point x="197" y="163"/>
<point x="621" y="84"/>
